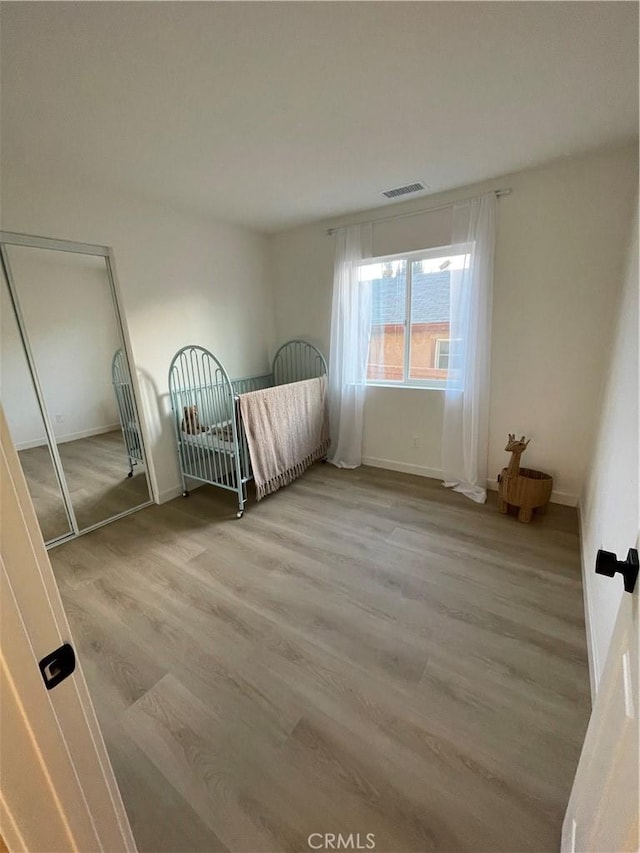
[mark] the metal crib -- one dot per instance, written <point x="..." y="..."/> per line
<point x="126" y="409"/>
<point x="210" y="436"/>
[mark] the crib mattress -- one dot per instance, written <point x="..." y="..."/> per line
<point x="210" y="439"/>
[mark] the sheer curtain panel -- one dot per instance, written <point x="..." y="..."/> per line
<point x="350" y="336"/>
<point x="465" y="440"/>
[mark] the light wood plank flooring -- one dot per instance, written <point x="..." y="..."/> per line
<point x="96" y="469"/>
<point x="364" y="652"/>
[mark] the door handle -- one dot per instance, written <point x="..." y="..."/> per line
<point x="57" y="665"/>
<point x="608" y="564"/>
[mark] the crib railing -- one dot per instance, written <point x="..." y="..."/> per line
<point x="244" y="386"/>
<point x="252" y="383"/>
<point x="297" y="360"/>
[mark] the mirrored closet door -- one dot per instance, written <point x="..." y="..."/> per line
<point x="66" y="385"/>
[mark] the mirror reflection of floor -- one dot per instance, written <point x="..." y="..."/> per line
<point x="96" y="469"/>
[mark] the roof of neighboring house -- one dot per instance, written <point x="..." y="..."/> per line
<point x="430" y="298"/>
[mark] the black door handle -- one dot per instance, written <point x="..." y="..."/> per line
<point x="608" y="564"/>
<point x="56" y="666"/>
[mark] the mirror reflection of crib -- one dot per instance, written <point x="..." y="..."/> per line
<point x="126" y="409"/>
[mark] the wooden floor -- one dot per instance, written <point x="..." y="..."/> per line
<point x="364" y="652"/>
<point x="96" y="469"/>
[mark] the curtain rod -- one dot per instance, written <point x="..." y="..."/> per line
<point x="499" y="194"/>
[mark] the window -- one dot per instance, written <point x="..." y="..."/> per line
<point x="410" y="343"/>
<point x="442" y="354"/>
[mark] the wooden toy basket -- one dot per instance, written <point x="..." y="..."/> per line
<point x="524" y="488"/>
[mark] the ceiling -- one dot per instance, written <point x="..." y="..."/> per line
<point x="273" y="114"/>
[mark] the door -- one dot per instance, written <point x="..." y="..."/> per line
<point x="58" y="791"/>
<point x="603" y="813"/>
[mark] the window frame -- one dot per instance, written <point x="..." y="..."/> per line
<point x="410" y="258"/>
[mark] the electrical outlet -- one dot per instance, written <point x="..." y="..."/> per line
<point x="59" y="419"/>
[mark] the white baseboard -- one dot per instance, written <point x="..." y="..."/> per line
<point x="176" y="491"/>
<point x="71" y="436"/>
<point x="589" y="622"/>
<point x="169" y="494"/>
<point x="563" y="498"/>
<point x="87" y="433"/>
<point x="27" y="445"/>
<point x="404" y="467"/>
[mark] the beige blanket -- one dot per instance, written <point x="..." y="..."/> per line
<point x="287" y="429"/>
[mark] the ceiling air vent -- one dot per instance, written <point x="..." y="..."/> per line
<point x="410" y="188"/>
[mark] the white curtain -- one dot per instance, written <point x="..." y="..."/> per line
<point x="350" y="335"/>
<point x="465" y="440"/>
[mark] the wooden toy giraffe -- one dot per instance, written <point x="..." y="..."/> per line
<point x="523" y="488"/>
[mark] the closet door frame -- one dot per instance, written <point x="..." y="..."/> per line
<point x="8" y="238"/>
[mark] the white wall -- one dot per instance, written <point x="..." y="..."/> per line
<point x="67" y="307"/>
<point x="184" y="279"/>
<point x="559" y="258"/>
<point x="16" y="390"/>
<point x="609" y="509"/>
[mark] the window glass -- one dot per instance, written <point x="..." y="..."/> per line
<point x="430" y="281"/>
<point x="410" y="335"/>
<point x="389" y="306"/>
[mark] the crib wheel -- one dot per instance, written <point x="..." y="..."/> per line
<point x="185" y="494"/>
<point x="130" y="474"/>
<point x="240" y="513"/>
